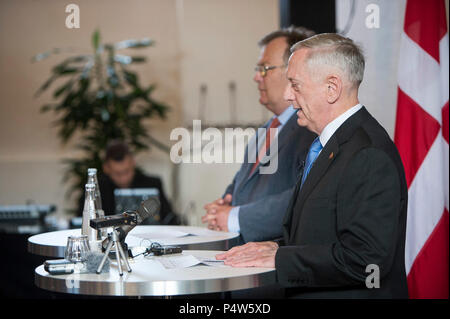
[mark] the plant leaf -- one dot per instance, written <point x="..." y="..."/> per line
<point x="134" y="44"/>
<point x="96" y="40"/>
<point x="46" y="108"/>
<point x="63" y="88"/>
<point x="46" y="85"/>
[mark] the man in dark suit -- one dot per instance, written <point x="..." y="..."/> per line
<point x="249" y="205"/>
<point x="344" y="229"/>
<point x="120" y="171"/>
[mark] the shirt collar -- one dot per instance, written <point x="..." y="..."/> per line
<point x="286" y="115"/>
<point x="332" y="127"/>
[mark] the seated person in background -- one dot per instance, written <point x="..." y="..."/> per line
<point x="120" y="171"/>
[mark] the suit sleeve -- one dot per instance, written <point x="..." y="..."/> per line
<point x="263" y="219"/>
<point x="367" y="226"/>
<point x="168" y="216"/>
<point x="229" y="189"/>
<point x="80" y="205"/>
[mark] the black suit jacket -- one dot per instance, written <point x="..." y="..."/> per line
<point x="350" y="213"/>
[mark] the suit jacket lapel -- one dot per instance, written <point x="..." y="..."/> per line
<point x="287" y="219"/>
<point x="324" y="160"/>
<point x="318" y="170"/>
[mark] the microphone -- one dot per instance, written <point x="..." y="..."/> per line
<point x="148" y="208"/>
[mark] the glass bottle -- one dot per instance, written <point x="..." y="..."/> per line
<point x="92" y="179"/>
<point x="90" y="212"/>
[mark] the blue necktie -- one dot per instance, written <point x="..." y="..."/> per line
<point x="313" y="152"/>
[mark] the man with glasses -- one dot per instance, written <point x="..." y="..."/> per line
<point x="254" y="203"/>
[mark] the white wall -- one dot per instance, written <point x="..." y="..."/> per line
<point x="378" y="92"/>
<point x="218" y="45"/>
<point x="218" y="41"/>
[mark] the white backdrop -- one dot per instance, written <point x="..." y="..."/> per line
<point x="381" y="45"/>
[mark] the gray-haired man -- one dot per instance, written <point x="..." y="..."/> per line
<point x="348" y="212"/>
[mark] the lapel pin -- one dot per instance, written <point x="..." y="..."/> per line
<point x="331" y="155"/>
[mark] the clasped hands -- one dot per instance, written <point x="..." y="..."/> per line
<point x="217" y="213"/>
<point x="253" y="254"/>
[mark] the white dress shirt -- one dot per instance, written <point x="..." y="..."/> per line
<point x="332" y="127"/>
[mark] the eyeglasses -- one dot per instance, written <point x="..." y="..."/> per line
<point x="262" y="69"/>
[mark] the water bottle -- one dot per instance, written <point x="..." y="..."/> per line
<point x="92" y="179"/>
<point x="90" y="212"/>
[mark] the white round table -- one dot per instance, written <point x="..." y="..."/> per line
<point x="150" y="278"/>
<point x="53" y="244"/>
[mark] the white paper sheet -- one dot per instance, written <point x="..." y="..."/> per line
<point x="206" y="232"/>
<point x="184" y="261"/>
<point x="165" y="234"/>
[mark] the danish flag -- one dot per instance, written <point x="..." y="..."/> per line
<point x="421" y="135"/>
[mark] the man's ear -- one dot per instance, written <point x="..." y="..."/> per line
<point x="334" y="88"/>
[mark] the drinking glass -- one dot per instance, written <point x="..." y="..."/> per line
<point x="77" y="248"/>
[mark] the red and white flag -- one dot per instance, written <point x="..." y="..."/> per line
<point x="421" y="135"/>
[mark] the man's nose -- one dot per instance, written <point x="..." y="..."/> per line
<point x="257" y="78"/>
<point x="288" y="96"/>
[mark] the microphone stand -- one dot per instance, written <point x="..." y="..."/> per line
<point x="113" y="237"/>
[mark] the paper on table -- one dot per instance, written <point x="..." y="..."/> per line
<point x="206" y="232"/>
<point x="213" y="262"/>
<point x="185" y="261"/>
<point x="161" y="234"/>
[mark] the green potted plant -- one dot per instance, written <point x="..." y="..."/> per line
<point x="100" y="99"/>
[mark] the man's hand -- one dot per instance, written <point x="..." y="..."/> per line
<point x="252" y="254"/>
<point x="220" y="201"/>
<point x="218" y="218"/>
<point x="217" y="213"/>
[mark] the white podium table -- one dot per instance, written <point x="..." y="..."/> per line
<point x="53" y="244"/>
<point x="150" y="278"/>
